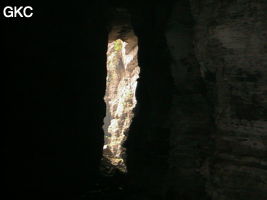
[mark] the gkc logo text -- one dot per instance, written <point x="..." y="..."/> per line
<point x="18" y="11"/>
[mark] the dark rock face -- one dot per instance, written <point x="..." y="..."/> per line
<point x="147" y="145"/>
<point x="230" y="46"/>
<point x="216" y="121"/>
<point x="190" y="117"/>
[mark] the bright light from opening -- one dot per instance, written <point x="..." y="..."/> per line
<point x="121" y="82"/>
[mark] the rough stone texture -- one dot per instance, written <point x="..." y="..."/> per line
<point x="122" y="75"/>
<point x="190" y="117"/>
<point x="230" y="45"/>
<point x="200" y="127"/>
<point x="148" y="141"/>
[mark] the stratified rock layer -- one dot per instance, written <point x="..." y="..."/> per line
<point x="230" y="45"/>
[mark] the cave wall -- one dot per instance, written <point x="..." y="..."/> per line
<point x="148" y="140"/>
<point x="230" y="46"/>
<point x="190" y="116"/>
<point x="169" y="141"/>
<point x="216" y="118"/>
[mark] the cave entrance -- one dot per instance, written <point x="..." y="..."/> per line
<point x="121" y="82"/>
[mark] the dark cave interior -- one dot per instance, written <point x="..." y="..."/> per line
<point x="200" y="124"/>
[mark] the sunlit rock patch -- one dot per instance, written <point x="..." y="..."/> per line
<point x="121" y="82"/>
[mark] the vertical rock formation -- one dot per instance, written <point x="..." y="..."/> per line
<point x="122" y="75"/>
<point x="147" y="144"/>
<point x="218" y="120"/>
<point x="230" y="46"/>
<point x="190" y="117"/>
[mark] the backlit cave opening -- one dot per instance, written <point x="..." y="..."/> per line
<point x="121" y="82"/>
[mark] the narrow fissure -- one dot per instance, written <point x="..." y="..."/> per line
<point x="121" y="82"/>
